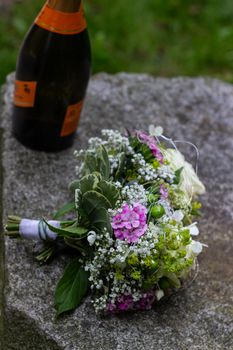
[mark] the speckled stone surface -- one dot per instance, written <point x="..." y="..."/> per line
<point x="201" y="317"/>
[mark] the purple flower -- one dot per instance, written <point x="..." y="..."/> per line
<point x="146" y="301"/>
<point x="163" y="192"/>
<point x="130" y="222"/>
<point x="125" y="302"/>
<point x="156" y="152"/>
<point x="151" y="143"/>
<point x="143" y="137"/>
<point x="111" y="308"/>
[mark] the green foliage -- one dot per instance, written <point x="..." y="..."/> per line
<point x="73" y="230"/>
<point x="177" y="175"/>
<point x="196" y="206"/>
<point x="47" y="250"/>
<point x="141" y="36"/>
<point x="185" y="237"/>
<point x="93" y="200"/>
<point x="100" y="219"/>
<point x="121" y="166"/>
<point x="94" y="206"/>
<point x="153" y="198"/>
<point x="67" y="208"/>
<point x="72" y="287"/>
<point x="142" y="148"/>
<point x="91" y="164"/>
<point x="77" y="244"/>
<point x="172" y="256"/>
<point x="98" y="163"/>
<point x="103" y="163"/>
<point x="96" y="195"/>
<point x="87" y="183"/>
<point x="109" y="191"/>
<point x="166" y="283"/>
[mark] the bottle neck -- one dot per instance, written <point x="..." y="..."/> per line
<point x="68" y="6"/>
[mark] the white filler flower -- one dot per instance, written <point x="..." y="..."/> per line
<point x="159" y="294"/>
<point x="91" y="237"/>
<point x="189" y="181"/>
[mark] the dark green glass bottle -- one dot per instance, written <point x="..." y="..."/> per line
<point x="52" y="75"/>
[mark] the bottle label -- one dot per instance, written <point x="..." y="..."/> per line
<point x="61" y="22"/>
<point x="25" y="93"/>
<point x="71" y="119"/>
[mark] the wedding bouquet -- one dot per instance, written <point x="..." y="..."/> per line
<point x="130" y="223"/>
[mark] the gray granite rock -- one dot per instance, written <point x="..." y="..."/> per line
<point x="1" y="253"/>
<point x="201" y="317"/>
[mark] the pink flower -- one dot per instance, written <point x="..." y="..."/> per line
<point x="151" y="143"/>
<point x="130" y="222"/>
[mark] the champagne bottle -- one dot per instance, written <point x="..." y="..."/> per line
<point x="52" y="75"/>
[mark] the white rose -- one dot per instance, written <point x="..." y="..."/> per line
<point x="189" y="181"/>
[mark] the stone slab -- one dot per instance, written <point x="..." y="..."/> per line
<point x="201" y="317"/>
<point x="2" y="274"/>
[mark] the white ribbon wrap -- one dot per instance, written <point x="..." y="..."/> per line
<point x="37" y="230"/>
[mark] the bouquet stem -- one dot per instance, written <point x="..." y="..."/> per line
<point x="12" y="227"/>
<point x="30" y="229"/>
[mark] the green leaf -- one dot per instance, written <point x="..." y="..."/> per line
<point x="164" y="283"/>
<point x="74" y="185"/>
<point x="67" y="208"/>
<point x="121" y="165"/>
<point x="104" y="165"/>
<point x="142" y="148"/>
<point x="177" y="175"/>
<point x="92" y="200"/>
<point x="90" y="163"/>
<point x="76" y="230"/>
<point x="146" y="152"/>
<point x="100" y="219"/>
<point x="134" y="142"/>
<point x="173" y="279"/>
<point x="73" y="230"/>
<point x="72" y="287"/>
<point x="109" y="190"/>
<point x="86" y="183"/>
<point x="97" y="163"/>
<point x="76" y="244"/>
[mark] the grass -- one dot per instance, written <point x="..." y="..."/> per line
<point x="164" y="38"/>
